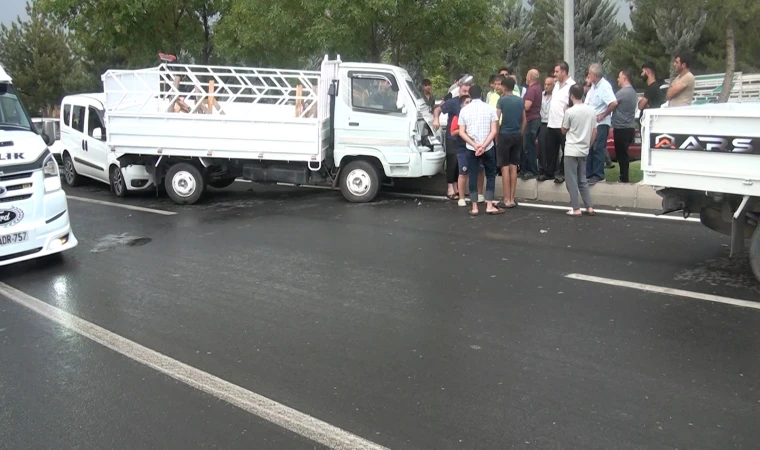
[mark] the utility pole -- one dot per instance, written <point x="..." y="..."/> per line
<point x="570" y="36"/>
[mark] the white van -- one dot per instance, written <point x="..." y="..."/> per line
<point x="86" y="153"/>
<point x="34" y="213"/>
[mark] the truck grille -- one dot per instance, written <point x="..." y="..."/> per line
<point x="16" y="176"/>
<point x="16" y="198"/>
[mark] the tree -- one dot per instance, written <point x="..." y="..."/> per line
<point x="732" y="15"/>
<point x="679" y="30"/>
<point x="520" y="34"/>
<point x="596" y="26"/>
<point x="35" y="54"/>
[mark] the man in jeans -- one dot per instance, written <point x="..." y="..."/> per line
<point x="602" y="100"/>
<point x="478" y="126"/>
<point x="533" y="100"/>
<point x="623" y="121"/>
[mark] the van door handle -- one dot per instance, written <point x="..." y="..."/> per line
<point x="353" y="124"/>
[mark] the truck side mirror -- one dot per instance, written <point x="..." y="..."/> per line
<point x="48" y="140"/>
<point x="97" y="133"/>
<point x="400" y="105"/>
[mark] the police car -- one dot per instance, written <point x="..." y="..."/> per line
<point x="34" y="213"/>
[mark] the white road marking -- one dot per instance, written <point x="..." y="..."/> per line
<point x="279" y="414"/>
<point x="523" y="203"/>
<point x="121" y="205"/>
<point x="665" y="291"/>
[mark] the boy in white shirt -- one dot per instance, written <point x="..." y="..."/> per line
<point x="579" y="128"/>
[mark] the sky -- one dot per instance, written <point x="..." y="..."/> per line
<point x="14" y="8"/>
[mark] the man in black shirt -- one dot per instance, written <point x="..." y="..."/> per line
<point x="653" y="95"/>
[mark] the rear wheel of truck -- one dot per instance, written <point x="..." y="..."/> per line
<point x="359" y="182"/>
<point x="70" y="174"/>
<point x="118" y="185"/>
<point x="754" y="253"/>
<point x="184" y="183"/>
<point x="221" y="183"/>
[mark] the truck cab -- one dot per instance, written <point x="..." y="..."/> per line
<point x="34" y="213"/>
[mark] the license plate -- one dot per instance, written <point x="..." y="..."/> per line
<point x="14" y="238"/>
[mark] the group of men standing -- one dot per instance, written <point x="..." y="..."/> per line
<point x="512" y="119"/>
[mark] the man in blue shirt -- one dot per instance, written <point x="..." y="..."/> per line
<point x="511" y="110"/>
<point x="602" y="100"/>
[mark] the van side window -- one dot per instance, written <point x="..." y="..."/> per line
<point x="66" y="115"/>
<point x="94" y="122"/>
<point x="77" y="119"/>
<point x="373" y="95"/>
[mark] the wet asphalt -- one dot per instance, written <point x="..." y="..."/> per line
<point x="403" y="321"/>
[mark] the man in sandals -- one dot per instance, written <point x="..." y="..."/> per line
<point x="478" y="126"/>
<point x="579" y="128"/>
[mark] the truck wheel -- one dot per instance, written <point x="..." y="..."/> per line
<point x="359" y="182"/>
<point x="754" y="253"/>
<point x="118" y="185"/>
<point x="70" y="174"/>
<point x="184" y="183"/>
<point x="221" y="183"/>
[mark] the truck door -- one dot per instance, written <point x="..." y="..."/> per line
<point x="369" y="122"/>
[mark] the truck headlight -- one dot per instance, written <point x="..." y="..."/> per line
<point x="52" y="174"/>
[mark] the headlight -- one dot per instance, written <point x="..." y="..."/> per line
<point x="52" y="174"/>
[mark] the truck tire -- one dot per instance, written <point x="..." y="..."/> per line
<point x="754" y="253"/>
<point x="221" y="183"/>
<point x="70" y="175"/>
<point x="116" y="178"/>
<point x="184" y="183"/>
<point x="359" y="182"/>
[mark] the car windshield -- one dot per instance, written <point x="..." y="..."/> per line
<point x="12" y="112"/>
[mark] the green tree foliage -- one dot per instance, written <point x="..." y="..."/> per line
<point x="520" y="34"/>
<point x="596" y="26"/>
<point x="34" y="52"/>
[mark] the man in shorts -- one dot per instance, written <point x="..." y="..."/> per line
<point x="511" y="110"/>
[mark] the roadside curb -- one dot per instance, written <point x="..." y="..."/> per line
<point x="618" y="195"/>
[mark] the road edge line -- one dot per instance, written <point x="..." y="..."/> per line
<point x="121" y="205"/>
<point x="256" y="404"/>
<point x="665" y="291"/>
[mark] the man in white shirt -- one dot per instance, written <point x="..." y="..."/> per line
<point x="546" y="99"/>
<point x="579" y="127"/>
<point x="478" y="127"/>
<point x="601" y="98"/>
<point x="555" y="140"/>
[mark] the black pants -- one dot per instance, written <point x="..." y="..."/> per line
<point x="623" y="139"/>
<point x="550" y="154"/>
<point x="452" y="165"/>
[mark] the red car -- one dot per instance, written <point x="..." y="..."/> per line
<point x="634" y="151"/>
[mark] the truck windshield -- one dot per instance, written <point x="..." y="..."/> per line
<point x="414" y="91"/>
<point x="12" y="112"/>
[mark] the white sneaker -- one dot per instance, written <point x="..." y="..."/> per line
<point x="481" y="198"/>
<point x="462" y="202"/>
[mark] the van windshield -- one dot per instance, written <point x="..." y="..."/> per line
<point x="12" y="112"/>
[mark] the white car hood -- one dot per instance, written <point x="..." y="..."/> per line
<point x="20" y="147"/>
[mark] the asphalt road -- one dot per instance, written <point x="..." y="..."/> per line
<point x="404" y="322"/>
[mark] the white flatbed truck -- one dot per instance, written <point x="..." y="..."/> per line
<point x="352" y="125"/>
<point x="706" y="159"/>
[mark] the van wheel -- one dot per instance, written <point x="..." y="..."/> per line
<point x="359" y="182"/>
<point x="184" y="183"/>
<point x="70" y="174"/>
<point x="754" y="252"/>
<point x="118" y="185"/>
